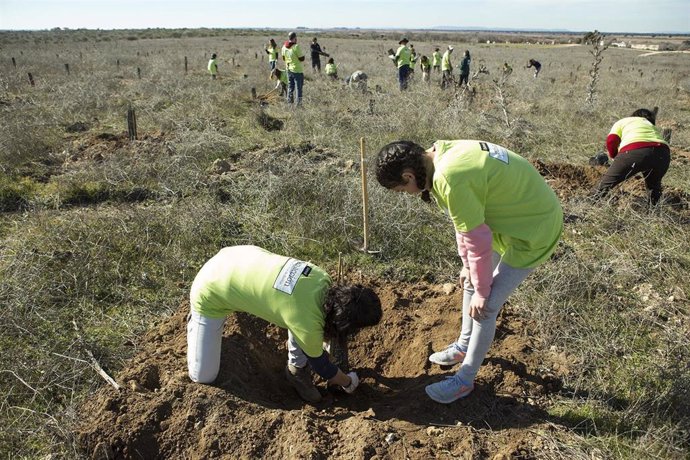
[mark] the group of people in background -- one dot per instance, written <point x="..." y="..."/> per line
<point x="406" y="57"/>
<point x="290" y="81"/>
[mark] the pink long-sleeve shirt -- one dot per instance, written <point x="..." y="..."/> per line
<point x="474" y="248"/>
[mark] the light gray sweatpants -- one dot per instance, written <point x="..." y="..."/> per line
<point x="476" y="336"/>
<point x="204" y="339"/>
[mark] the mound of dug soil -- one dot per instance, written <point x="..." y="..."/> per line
<point x="574" y="181"/>
<point x="250" y="412"/>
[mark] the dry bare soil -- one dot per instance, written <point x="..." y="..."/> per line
<point x="251" y="412"/>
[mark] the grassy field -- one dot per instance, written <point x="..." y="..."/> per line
<point x="108" y="233"/>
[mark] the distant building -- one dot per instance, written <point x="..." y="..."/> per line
<point x="620" y="44"/>
<point x="645" y="47"/>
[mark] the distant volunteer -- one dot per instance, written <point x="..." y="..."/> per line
<point x="507" y="221"/>
<point x="465" y="69"/>
<point x="436" y="60"/>
<point x="290" y="293"/>
<point x="536" y="65"/>
<point x="213" y="66"/>
<point x="272" y="51"/>
<point x="426" y="68"/>
<point x="358" y="80"/>
<point x="636" y="145"/>
<point x="316" y="53"/>
<point x="447" y="68"/>
<point x="413" y="62"/>
<point x="332" y="69"/>
<point x="294" y="57"/>
<point x="402" y="58"/>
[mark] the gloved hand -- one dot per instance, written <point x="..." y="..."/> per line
<point x="353" y="385"/>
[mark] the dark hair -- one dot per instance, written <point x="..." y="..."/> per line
<point x="213" y="56"/>
<point x="394" y="158"/>
<point x="350" y="308"/>
<point x="331" y="61"/>
<point x="644" y="113"/>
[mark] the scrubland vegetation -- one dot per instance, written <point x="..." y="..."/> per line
<point x="108" y="233"/>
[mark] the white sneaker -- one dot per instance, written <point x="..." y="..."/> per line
<point x="449" y="389"/>
<point x="450" y="356"/>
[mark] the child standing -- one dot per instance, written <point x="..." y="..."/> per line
<point x="213" y="66"/>
<point x="507" y="222"/>
<point x="426" y="68"/>
<point x="272" y="51"/>
<point x="436" y="60"/>
<point x="465" y="68"/>
<point x="447" y="68"/>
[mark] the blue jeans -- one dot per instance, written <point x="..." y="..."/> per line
<point x="272" y="64"/>
<point x="295" y="79"/>
<point x="403" y="73"/>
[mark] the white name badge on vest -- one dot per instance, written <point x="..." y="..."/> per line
<point x="289" y="275"/>
<point x="495" y="151"/>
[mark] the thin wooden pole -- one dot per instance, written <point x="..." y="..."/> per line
<point x="340" y="267"/>
<point x="185" y="64"/>
<point x="132" y="124"/>
<point x="31" y="79"/>
<point x="365" y="194"/>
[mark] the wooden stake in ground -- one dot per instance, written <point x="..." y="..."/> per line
<point x="365" y="198"/>
<point x="132" y="124"/>
<point x="365" y="194"/>
<point x="340" y="268"/>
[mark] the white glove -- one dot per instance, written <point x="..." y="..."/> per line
<point x="353" y="385"/>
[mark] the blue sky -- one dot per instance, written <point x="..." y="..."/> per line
<point x="578" y="15"/>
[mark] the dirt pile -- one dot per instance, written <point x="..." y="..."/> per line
<point x="100" y="146"/>
<point x="250" y="412"/>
